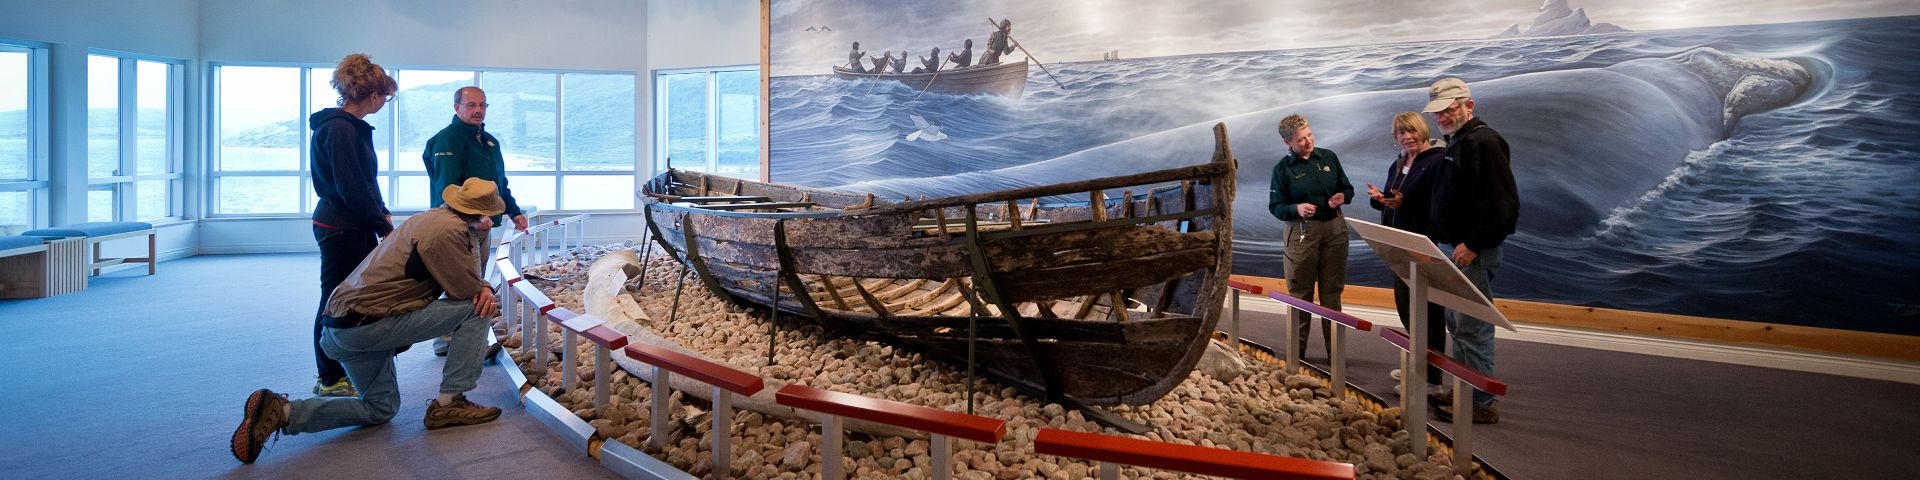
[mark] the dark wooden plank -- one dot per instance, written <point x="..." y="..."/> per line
<point x="755" y="206"/>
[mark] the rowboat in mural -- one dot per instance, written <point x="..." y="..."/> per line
<point x="1007" y="79"/>
<point x="1093" y="300"/>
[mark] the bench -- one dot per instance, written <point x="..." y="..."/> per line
<point x="98" y="233"/>
<point x="38" y="267"/>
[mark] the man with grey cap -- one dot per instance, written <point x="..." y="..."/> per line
<point x="1475" y="206"/>
<point x="390" y="301"/>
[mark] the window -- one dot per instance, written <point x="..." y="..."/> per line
<point x="556" y="158"/>
<point x="22" y="184"/>
<point x="708" y="120"/>
<point x="133" y="167"/>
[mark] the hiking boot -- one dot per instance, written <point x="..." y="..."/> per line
<point x="1487" y="414"/>
<point x="1440" y="398"/>
<point x="265" y="413"/>
<point x="458" y="412"/>
<point x="342" y="388"/>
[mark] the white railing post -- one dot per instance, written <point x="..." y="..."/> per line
<point x="662" y="381"/>
<point x="1233" y="322"/>
<point x="830" y="438"/>
<point x="546" y="245"/>
<point x="568" y="378"/>
<point x="539" y="341"/>
<point x="1413" y="395"/>
<point x="942" y="457"/>
<point x="1293" y="339"/>
<point x="722" y="432"/>
<point x="601" y="385"/>
<point x="1338" y="384"/>
<point x="1462" y="426"/>
<point x="529" y="323"/>
<point x="1109" y="471"/>
<point x="510" y="308"/>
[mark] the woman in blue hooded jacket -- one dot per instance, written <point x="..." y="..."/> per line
<point x="350" y="217"/>
<point x="1404" y="203"/>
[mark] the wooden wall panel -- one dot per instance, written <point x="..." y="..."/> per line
<point x="1830" y="340"/>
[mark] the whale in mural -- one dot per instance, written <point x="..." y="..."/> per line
<point x="1584" y="140"/>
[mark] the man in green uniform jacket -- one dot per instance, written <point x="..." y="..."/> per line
<point x="1308" y="188"/>
<point x="465" y="150"/>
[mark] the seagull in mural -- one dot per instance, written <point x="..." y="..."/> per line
<point x="927" y="130"/>
<point x="822" y="28"/>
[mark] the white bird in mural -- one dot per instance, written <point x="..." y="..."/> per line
<point x="927" y="130"/>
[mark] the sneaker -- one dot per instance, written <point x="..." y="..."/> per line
<point x="266" y="412"/>
<point x="342" y="388"/>
<point x="459" y="412"/>
<point x="440" y="346"/>
<point x="1489" y="414"/>
<point x="1395" y="374"/>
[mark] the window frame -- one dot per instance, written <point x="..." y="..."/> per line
<point x="126" y="178"/>
<point x="390" y="175"/>
<point x="661" y="110"/>
<point x="37" y="184"/>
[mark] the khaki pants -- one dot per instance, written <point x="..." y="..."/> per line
<point x="1316" y="257"/>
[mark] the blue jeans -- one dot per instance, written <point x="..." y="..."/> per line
<point x="341" y="250"/>
<point x="367" y="352"/>
<point x="1473" y="338"/>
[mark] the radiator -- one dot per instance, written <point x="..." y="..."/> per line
<point x="66" y="266"/>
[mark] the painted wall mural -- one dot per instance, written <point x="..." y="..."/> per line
<point x="1748" y="160"/>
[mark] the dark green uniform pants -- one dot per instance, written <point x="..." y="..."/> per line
<point x="1316" y="256"/>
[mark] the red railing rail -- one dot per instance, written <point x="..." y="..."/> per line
<point x="1113" y="451"/>
<point x="941" y="424"/>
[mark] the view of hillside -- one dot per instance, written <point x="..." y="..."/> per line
<point x="599" y="123"/>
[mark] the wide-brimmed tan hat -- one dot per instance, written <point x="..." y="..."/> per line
<point x="1442" y="94"/>
<point x="474" y="197"/>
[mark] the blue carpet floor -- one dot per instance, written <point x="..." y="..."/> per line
<point x="144" y="376"/>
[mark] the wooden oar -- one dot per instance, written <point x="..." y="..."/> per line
<point x="1036" y="61"/>
<point x="936" y="76"/>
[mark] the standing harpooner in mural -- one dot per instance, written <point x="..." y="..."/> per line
<point x="1476" y="206"/>
<point x="1308" y="188"/>
<point x="999" y="43"/>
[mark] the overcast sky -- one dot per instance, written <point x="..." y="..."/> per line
<point x="1074" y="30"/>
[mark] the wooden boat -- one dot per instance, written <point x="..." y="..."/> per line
<point x="1102" y="301"/>
<point x="1008" y="79"/>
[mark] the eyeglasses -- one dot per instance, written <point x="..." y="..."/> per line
<point x="476" y="105"/>
<point x="1451" y="110"/>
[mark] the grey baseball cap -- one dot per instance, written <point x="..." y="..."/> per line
<point x="1442" y="94"/>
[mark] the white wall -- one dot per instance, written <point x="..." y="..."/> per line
<point x="555" y="34"/>
<point x="155" y="27"/>
<point x="702" y="33"/>
<point x="160" y="28"/>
